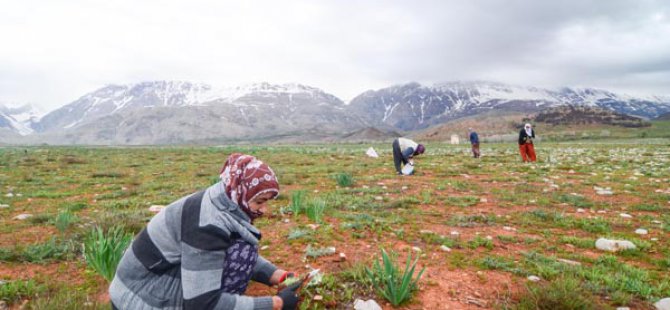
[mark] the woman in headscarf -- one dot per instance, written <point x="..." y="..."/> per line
<point x="526" y="136"/>
<point x="202" y="250"/>
<point x="404" y="151"/>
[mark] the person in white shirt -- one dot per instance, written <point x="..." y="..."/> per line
<point x="404" y="151"/>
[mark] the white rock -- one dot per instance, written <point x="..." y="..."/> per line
<point x="9" y="195"/>
<point x="657" y="222"/>
<point x="23" y="216"/>
<point x="534" y="278"/>
<point x="622" y="308"/>
<point x="580" y="210"/>
<point x="379" y="198"/>
<point x="416" y="249"/>
<point x="156" y="208"/>
<point x="372" y="153"/>
<point x="3" y="206"/>
<point x="425" y="232"/>
<point x="507" y="228"/>
<point x="641" y="231"/>
<point x="654" y="239"/>
<point x="19" y="195"/>
<point x="601" y="212"/>
<point x="445" y="248"/>
<point x="287" y="221"/>
<point x="569" y="262"/>
<point x="614" y="245"/>
<point x="265" y="247"/>
<point x="455" y="233"/>
<point x="366" y="305"/>
<point x="489" y="237"/>
<point x="404" y="188"/>
<point x="483" y="200"/>
<point x="663" y="304"/>
<point x="626" y="215"/>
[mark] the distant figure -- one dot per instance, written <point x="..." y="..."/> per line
<point x="474" y="141"/>
<point x="404" y="151"/>
<point x="526" y="136"/>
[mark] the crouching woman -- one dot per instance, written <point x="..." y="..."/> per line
<point x="202" y="250"/>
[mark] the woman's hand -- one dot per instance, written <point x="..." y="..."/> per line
<point x="280" y="276"/>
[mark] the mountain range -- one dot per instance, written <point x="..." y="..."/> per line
<point x="173" y="112"/>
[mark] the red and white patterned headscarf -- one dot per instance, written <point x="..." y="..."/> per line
<point x="246" y="177"/>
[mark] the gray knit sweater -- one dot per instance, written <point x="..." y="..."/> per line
<point x="177" y="261"/>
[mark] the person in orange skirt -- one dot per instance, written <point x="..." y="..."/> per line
<point x="526" y="136"/>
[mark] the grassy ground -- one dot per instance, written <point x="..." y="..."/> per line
<point x="502" y="220"/>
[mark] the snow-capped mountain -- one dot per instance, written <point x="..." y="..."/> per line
<point x="175" y="112"/>
<point x="415" y="106"/>
<point x="19" y="119"/>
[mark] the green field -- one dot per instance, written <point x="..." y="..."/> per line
<point x="501" y="220"/>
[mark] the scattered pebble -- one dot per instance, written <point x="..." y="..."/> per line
<point x="605" y="191"/>
<point x="641" y="231"/>
<point x="9" y="195"/>
<point x="379" y="198"/>
<point x="654" y="239"/>
<point x="265" y="247"/>
<point x="455" y="233"/>
<point x="318" y="297"/>
<point x="156" y="208"/>
<point x="507" y="228"/>
<point x="445" y="248"/>
<point x="534" y="278"/>
<point x="483" y="200"/>
<point x="580" y="210"/>
<point x="614" y="245"/>
<point x="569" y="262"/>
<point x="287" y="220"/>
<point x="23" y="216"/>
<point x="657" y="222"/>
<point x="425" y="232"/>
<point x="622" y="308"/>
<point x="313" y="226"/>
<point x="404" y="188"/>
<point x="416" y="249"/>
<point x="489" y="238"/>
<point x="663" y="304"/>
<point x="3" y="206"/>
<point x="626" y="215"/>
<point x="366" y="305"/>
<point x="343" y="257"/>
<point x="601" y="212"/>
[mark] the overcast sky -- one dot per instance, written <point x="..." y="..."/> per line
<point x="52" y="52"/>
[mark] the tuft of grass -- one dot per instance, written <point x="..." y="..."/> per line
<point x="318" y="252"/>
<point x="63" y="220"/>
<point x="315" y="210"/>
<point x="297" y="202"/>
<point x="14" y="291"/>
<point x="344" y="179"/>
<point x="103" y="250"/>
<point x="563" y="293"/>
<point x="390" y="282"/>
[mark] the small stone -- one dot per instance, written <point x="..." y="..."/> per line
<point x="265" y="247"/>
<point x="654" y="239"/>
<point x="622" y="308"/>
<point x="626" y="215"/>
<point x="287" y="221"/>
<point x="507" y="228"/>
<point x="425" y="232"/>
<point x="23" y="216"/>
<point x="445" y="248"/>
<point x="534" y="278"/>
<point x="3" y="206"/>
<point x="656" y="222"/>
<point x="569" y="262"/>
<point x="156" y="208"/>
<point x="580" y="210"/>
<point x="318" y="297"/>
<point x="483" y="200"/>
<point x="9" y="195"/>
<point x="614" y="245"/>
<point x="601" y="212"/>
<point x="489" y="237"/>
<point x="343" y="257"/>
<point x="313" y="226"/>
<point x="641" y="231"/>
<point x="404" y="188"/>
<point x="366" y="305"/>
<point x="379" y="198"/>
<point x="663" y="304"/>
<point x="416" y="249"/>
<point x="19" y="195"/>
<point x="455" y="233"/>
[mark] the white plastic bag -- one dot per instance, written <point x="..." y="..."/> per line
<point x="408" y="169"/>
<point x="372" y="153"/>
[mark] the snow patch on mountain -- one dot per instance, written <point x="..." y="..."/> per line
<point x="19" y="118"/>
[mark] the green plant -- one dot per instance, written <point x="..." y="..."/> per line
<point x="344" y="179"/>
<point x="103" y="251"/>
<point x="389" y="282"/>
<point x="318" y="252"/>
<point x="564" y="293"/>
<point x="297" y="201"/>
<point x="14" y="291"/>
<point x="64" y="219"/>
<point x="315" y="209"/>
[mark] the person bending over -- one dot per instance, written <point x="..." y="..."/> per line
<point x="202" y="250"/>
<point x="404" y="150"/>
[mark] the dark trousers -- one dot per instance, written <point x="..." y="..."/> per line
<point x="475" y="150"/>
<point x="114" y="307"/>
<point x="397" y="156"/>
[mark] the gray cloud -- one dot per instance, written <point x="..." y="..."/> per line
<point x="58" y="50"/>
